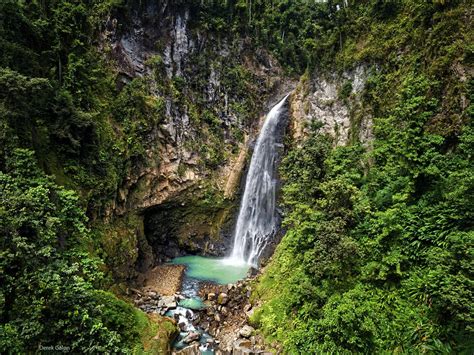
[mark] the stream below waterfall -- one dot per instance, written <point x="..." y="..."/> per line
<point x="200" y="269"/>
<point x="257" y="222"/>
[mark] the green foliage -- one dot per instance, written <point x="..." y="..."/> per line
<point x="337" y="33"/>
<point x="345" y="90"/>
<point x="371" y="264"/>
<point x="378" y="252"/>
<point x="139" y="112"/>
<point x="55" y="94"/>
<point x="295" y="31"/>
<point x="48" y="282"/>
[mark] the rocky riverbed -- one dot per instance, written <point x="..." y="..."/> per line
<point x="211" y="318"/>
<point x="226" y="318"/>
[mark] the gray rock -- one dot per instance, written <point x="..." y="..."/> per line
<point x="189" y="350"/>
<point x="168" y="302"/>
<point x="246" y="331"/>
<point x="250" y="313"/>
<point x="252" y="272"/>
<point x="191" y="337"/>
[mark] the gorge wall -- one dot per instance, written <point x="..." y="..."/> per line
<point x="212" y="90"/>
<point x="179" y="195"/>
<point x="125" y="131"/>
<point x="333" y="100"/>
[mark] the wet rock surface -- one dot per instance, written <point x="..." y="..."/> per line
<point x="221" y="325"/>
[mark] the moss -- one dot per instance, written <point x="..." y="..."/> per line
<point x="119" y="241"/>
<point x="156" y="333"/>
<point x="205" y="216"/>
<point x="196" y="218"/>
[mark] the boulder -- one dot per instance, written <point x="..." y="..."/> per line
<point x="250" y="313"/>
<point x="139" y="302"/>
<point x="182" y="326"/>
<point x="252" y="272"/>
<point x="189" y="350"/>
<point x="168" y="302"/>
<point x="241" y="347"/>
<point x="224" y="311"/>
<point x="191" y="337"/>
<point x="246" y="331"/>
<point x="211" y="296"/>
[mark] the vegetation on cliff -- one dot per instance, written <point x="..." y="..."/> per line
<point x="51" y="284"/>
<point x="378" y="253"/>
<point x="378" y="250"/>
<point x="65" y="106"/>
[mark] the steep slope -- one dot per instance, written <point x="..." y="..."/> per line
<point x="378" y="191"/>
<point x="125" y="126"/>
<point x="128" y="105"/>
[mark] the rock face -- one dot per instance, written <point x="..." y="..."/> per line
<point x="182" y="55"/>
<point x="196" y="150"/>
<point x="335" y="102"/>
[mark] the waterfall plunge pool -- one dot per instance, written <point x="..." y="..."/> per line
<point x="257" y="220"/>
<point x="218" y="270"/>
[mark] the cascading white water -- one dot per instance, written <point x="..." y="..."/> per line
<point x="257" y="220"/>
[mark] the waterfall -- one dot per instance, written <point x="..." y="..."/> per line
<point x="257" y="220"/>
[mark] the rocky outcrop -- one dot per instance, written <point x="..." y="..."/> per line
<point x="335" y="102"/>
<point x="152" y="302"/>
<point x="164" y="279"/>
<point x="246" y="331"/>
<point x="199" y="145"/>
<point x="159" y="32"/>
